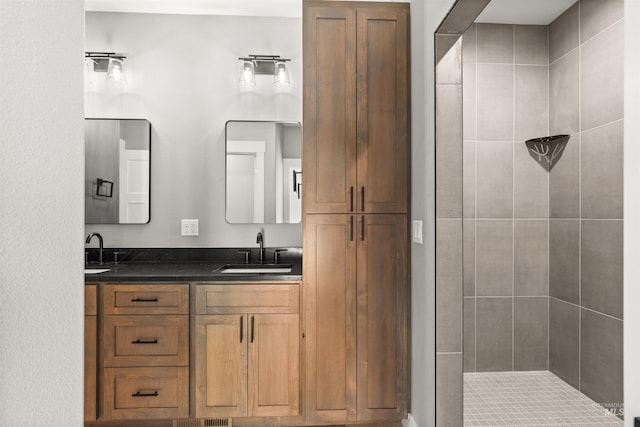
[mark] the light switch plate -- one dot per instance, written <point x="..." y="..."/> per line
<point x="189" y="227"/>
<point x="416" y="231"/>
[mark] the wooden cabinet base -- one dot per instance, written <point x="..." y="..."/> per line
<point x="237" y="422"/>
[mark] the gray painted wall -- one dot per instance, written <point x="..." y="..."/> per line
<point x="182" y="73"/>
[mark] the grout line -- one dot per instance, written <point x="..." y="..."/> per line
<point x="548" y="205"/>
<point x="475" y="216"/>
<point x="601" y="126"/>
<point x="513" y="201"/>
<point x="580" y="193"/>
<point x="596" y="34"/>
<point x="588" y="309"/>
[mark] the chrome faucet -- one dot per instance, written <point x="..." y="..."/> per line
<point x="100" y="241"/>
<point x="260" y="239"/>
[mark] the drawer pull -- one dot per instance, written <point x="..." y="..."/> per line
<point x="139" y="394"/>
<point x="252" y="327"/>
<point x="241" y="328"/>
<point x="139" y="341"/>
<point x="144" y="300"/>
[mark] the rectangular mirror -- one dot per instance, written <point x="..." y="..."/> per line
<point x="117" y="171"/>
<point x="263" y="172"/>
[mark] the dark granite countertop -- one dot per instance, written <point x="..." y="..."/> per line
<point x="155" y="266"/>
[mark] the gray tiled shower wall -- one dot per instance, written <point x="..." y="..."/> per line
<point x="542" y="251"/>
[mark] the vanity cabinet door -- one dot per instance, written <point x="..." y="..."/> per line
<point x="329" y="269"/>
<point x="383" y="317"/>
<point x="383" y="109"/>
<point x="221" y="366"/>
<point x="329" y="131"/>
<point x="90" y="352"/>
<point x="274" y="371"/>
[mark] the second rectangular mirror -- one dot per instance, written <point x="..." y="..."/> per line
<point x="263" y="172"/>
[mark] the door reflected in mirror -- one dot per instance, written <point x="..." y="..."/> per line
<point x="117" y="171"/>
<point x="263" y="172"/>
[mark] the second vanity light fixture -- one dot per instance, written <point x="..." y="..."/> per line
<point x="110" y="62"/>
<point x="265" y="64"/>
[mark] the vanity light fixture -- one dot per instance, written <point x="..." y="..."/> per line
<point x="265" y="64"/>
<point x="111" y="63"/>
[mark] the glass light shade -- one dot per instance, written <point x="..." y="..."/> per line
<point x="248" y="73"/>
<point x="281" y="75"/>
<point x="115" y="71"/>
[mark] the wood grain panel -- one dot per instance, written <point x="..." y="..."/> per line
<point x="383" y="110"/>
<point x="146" y="299"/>
<point x="382" y="317"/>
<point x="138" y="393"/>
<point x="221" y="366"/>
<point x="329" y="113"/>
<point x="274" y="365"/>
<point x="248" y="298"/>
<point x="90" y="367"/>
<point x="329" y="279"/>
<point x="90" y="300"/>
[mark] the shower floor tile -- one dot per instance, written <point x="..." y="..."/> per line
<point x="528" y="399"/>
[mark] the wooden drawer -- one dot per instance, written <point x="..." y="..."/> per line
<point x="136" y="393"/>
<point x="146" y="299"/>
<point x="146" y="340"/>
<point x="247" y="298"/>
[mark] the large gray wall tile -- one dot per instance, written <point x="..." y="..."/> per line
<point x="531" y="102"/>
<point x="564" y="260"/>
<point x="494" y="191"/>
<point x="531" y="185"/>
<point x="601" y="366"/>
<point x="602" y="265"/>
<point x="564" y="182"/>
<point x="449" y="285"/>
<point x="596" y="15"/>
<point x="494" y="257"/>
<point x="564" y="33"/>
<point x="449" y="152"/>
<point x="602" y="172"/>
<point x="602" y="77"/>
<point x="469" y="179"/>
<point x="449" y="69"/>
<point x="469" y="335"/>
<point x="531" y="258"/>
<point x="564" y="99"/>
<point x="531" y="45"/>
<point x="469" y="100"/>
<point x="469" y="45"/>
<point x="495" y="102"/>
<point x="564" y="341"/>
<point x="494" y="331"/>
<point x="449" y="386"/>
<point x="469" y="256"/>
<point x="530" y="334"/>
<point x="495" y="43"/>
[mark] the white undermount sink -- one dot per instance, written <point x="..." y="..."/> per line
<point x="95" y="270"/>
<point x="255" y="269"/>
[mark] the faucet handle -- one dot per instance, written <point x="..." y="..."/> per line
<point x="247" y="255"/>
<point x="116" y="254"/>
<point x="276" y="255"/>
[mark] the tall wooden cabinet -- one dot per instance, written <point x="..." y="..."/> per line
<point x="356" y="186"/>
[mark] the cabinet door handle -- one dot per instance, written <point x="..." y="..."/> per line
<point x="144" y="300"/>
<point x="351" y="191"/>
<point x="241" y="328"/>
<point x="139" y="341"/>
<point x="351" y="228"/>
<point x="362" y="190"/>
<point x="139" y="394"/>
<point x="362" y="231"/>
<point x="252" y="327"/>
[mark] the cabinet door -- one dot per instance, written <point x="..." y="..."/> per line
<point x="329" y="116"/>
<point x="221" y="366"/>
<point x="383" y="109"/>
<point x="329" y="272"/>
<point x="383" y="317"/>
<point x="274" y="364"/>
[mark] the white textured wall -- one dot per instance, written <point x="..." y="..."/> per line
<point x="631" y="213"/>
<point x="183" y="77"/>
<point x="426" y="15"/>
<point x="41" y="213"/>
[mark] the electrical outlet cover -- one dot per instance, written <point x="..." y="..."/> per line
<point x="417" y="231"/>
